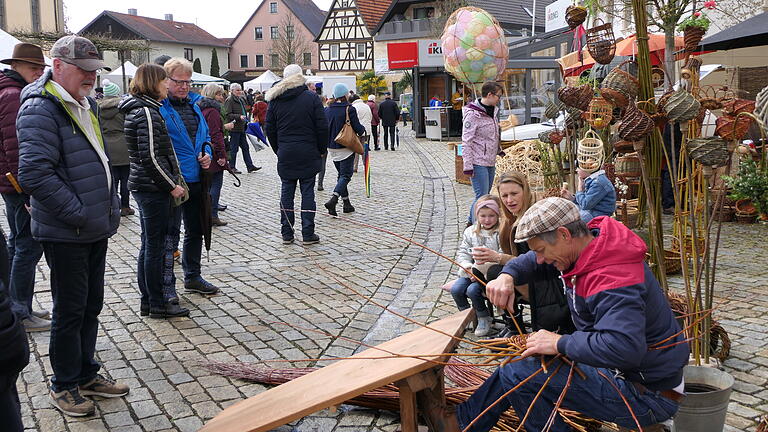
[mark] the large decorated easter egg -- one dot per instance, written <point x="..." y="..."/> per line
<point x="474" y="46"/>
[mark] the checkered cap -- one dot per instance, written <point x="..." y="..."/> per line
<point x="78" y="51"/>
<point x="544" y="216"/>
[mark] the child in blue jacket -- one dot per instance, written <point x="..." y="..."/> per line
<point x="595" y="195"/>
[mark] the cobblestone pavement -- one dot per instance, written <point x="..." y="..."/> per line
<point x="265" y="283"/>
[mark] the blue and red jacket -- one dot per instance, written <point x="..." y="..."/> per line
<point x="619" y="309"/>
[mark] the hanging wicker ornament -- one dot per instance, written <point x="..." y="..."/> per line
<point x="692" y="36"/>
<point x="600" y="112"/>
<point x="575" y="16"/>
<point x="657" y="76"/>
<point x="590" y="153"/>
<point x="601" y="43"/>
<point x="707" y="96"/>
<point x="544" y="137"/>
<point x="710" y="151"/>
<point x="682" y="106"/>
<point x="619" y="87"/>
<point x="576" y="97"/>
<point x="731" y="128"/>
<point x="573" y="118"/>
<point x="636" y="124"/>
<point x="553" y="109"/>
<point x="556" y="136"/>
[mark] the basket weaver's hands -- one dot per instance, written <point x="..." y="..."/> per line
<point x="501" y="292"/>
<point x="542" y="342"/>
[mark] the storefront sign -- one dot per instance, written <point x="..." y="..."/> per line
<point x="403" y="55"/>
<point x="555" y="15"/>
<point x="381" y="65"/>
<point x="431" y="53"/>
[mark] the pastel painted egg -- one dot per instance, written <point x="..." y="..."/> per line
<point x="482" y="41"/>
<point x="475" y="54"/>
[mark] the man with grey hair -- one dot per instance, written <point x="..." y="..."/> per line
<point x="626" y="333"/>
<point x="234" y="109"/>
<point x="65" y="170"/>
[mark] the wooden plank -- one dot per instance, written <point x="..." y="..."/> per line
<point x="342" y="380"/>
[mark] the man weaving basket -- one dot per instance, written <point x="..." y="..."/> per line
<point x="628" y="348"/>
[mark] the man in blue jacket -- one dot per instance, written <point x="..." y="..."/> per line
<point x="189" y="134"/>
<point x="626" y="335"/>
<point x="74" y="207"/>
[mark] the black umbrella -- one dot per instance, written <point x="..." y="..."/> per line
<point x="749" y="33"/>
<point x="206" y="224"/>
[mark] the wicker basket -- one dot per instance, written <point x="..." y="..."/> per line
<point x="553" y="109"/>
<point x="575" y="16"/>
<point x="724" y="215"/>
<point x="711" y="151"/>
<point x="556" y="136"/>
<point x="619" y="86"/>
<point x="745" y="206"/>
<point x="745" y="218"/>
<point x="688" y="244"/>
<point x="737" y="106"/>
<point x="621" y="146"/>
<point x="636" y="124"/>
<point x="628" y="165"/>
<point x="672" y="264"/>
<point x="732" y="128"/>
<point x="707" y="96"/>
<point x="601" y="43"/>
<point x="576" y="97"/>
<point x="544" y="137"/>
<point x="627" y="215"/>
<point x="692" y="36"/>
<point x="573" y="118"/>
<point x="682" y="106"/>
<point x="590" y="152"/>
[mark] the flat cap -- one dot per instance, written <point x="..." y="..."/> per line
<point x="544" y="216"/>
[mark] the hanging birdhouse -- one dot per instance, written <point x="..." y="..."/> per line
<point x="600" y="113"/>
<point x="601" y="43"/>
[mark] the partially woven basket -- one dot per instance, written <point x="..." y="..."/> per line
<point x="636" y="124"/>
<point x="601" y="43"/>
<point x="707" y="96"/>
<point x="619" y="86"/>
<point x="590" y="152"/>
<point x="576" y="97"/>
<point x="672" y="264"/>
<point x="682" y="106"/>
<point x="710" y="151"/>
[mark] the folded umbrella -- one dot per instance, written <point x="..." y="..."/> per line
<point x="206" y="224"/>
<point x="256" y="137"/>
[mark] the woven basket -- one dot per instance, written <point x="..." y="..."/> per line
<point x="732" y="128"/>
<point x="681" y="106"/>
<point x="553" y="109"/>
<point x="745" y="206"/>
<point x="692" y="36"/>
<point x="711" y="151"/>
<point x="601" y="43"/>
<point x="745" y="218"/>
<point x="619" y="86"/>
<point x="636" y="124"/>
<point x="600" y="113"/>
<point x="590" y="152"/>
<point x="707" y="96"/>
<point x="688" y="244"/>
<point x="575" y="16"/>
<point x="627" y="215"/>
<point x="576" y="97"/>
<point x="672" y="264"/>
<point x="737" y="106"/>
<point x="556" y="136"/>
<point x="544" y="137"/>
<point x="725" y="214"/>
<point x="628" y="165"/>
<point x="573" y="118"/>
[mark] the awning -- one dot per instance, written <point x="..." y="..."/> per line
<point x="749" y="33"/>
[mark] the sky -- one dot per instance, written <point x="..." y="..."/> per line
<point x="224" y="21"/>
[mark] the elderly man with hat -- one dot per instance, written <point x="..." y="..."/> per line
<point x="627" y="345"/>
<point x="64" y="167"/>
<point x="27" y="65"/>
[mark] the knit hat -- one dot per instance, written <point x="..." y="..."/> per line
<point x="371" y="97"/>
<point x="489" y="204"/>
<point x="340" y="90"/>
<point x="291" y="69"/>
<point x="544" y="216"/>
<point x="110" y="88"/>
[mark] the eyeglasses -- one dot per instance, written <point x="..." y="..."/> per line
<point x="181" y="82"/>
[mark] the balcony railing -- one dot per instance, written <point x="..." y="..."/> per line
<point x="406" y="29"/>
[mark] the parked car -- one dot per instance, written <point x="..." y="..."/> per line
<point x="516" y="105"/>
<point x="531" y="131"/>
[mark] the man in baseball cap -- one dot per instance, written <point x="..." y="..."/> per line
<point x="78" y="51"/>
<point x="626" y="333"/>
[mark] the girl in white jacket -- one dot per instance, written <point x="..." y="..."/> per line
<point x="484" y="233"/>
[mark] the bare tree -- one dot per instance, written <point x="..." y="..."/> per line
<point x="290" y="45"/>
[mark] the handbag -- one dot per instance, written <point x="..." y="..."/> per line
<point x="182" y="199"/>
<point x="348" y="138"/>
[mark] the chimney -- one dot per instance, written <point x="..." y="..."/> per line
<point x="133" y="12"/>
<point x="169" y="17"/>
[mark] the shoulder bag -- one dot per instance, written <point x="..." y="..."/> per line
<point x="348" y="138"/>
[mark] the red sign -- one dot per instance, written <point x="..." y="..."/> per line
<point x="403" y="55"/>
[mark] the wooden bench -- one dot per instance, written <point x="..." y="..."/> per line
<point x="346" y="379"/>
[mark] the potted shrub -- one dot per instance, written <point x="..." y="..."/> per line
<point x="694" y="27"/>
<point x="750" y="188"/>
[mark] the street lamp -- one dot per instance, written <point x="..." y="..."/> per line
<point x="533" y="16"/>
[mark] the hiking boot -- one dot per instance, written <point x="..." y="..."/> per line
<point x="44" y="314"/>
<point x="331" y="205"/>
<point x="287" y="240"/>
<point x="35" y="324"/>
<point x="200" y="286"/>
<point x="144" y="309"/>
<point x="218" y="222"/>
<point x="104" y="387"/>
<point x="169" y="310"/>
<point x="314" y="238"/>
<point x="348" y="207"/>
<point x="72" y="403"/>
<point x="483" y="326"/>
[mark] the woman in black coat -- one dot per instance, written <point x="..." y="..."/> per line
<point x="297" y="131"/>
<point x="154" y="182"/>
<point x="343" y="158"/>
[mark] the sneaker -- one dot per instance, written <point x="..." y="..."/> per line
<point x="35" y="324"/>
<point x="483" y="326"/>
<point x="314" y="238"/>
<point x="222" y="207"/>
<point x="169" y="310"/>
<point x="287" y="240"/>
<point x="104" y="387"/>
<point x="72" y="403"/>
<point x="201" y="286"/>
<point x="44" y="314"/>
<point x="218" y="222"/>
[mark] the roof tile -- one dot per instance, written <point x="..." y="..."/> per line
<point x="160" y="30"/>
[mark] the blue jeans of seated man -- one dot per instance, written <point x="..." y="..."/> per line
<point x="463" y="288"/>
<point x="344" y="169"/>
<point x="482" y="181"/>
<point x="217" y="181"/>
<point x="288" y="218"/>
<point x="193" y="232"/>
<point x="594" y="397"/>
<point x="77" y="288"/>
<point x="155" y="210"/>
<point x="24" y="252"/>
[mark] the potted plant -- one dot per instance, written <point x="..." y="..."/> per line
<point x="750" y="188"/>
<point x="694" y="27"/>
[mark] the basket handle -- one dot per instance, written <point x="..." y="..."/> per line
<point x="591" y="133"/>
<point x="650" y="104"/>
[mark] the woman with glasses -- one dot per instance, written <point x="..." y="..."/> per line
<point x="213" y="96"/>
<point x="480" y="140"/>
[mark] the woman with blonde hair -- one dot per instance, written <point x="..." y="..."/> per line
<point x="213" y="96"/>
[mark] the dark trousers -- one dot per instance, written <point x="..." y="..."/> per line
<point x="24" y="252"/>
<point x="238" y="140"/>
<point x="193" y="231"/>
<point x="594" y="397"/>
<point x="120" y="177"/>
<point x="321" y="174"/>
<point x="10" y="408"/>
<point x="667" y="195"/>
<point x="287" y="215"/>
<point x="375" y="131"/>
<point x="344" y="168"/>
<point x="389" y="135"/>
<point x="155" y="209"/>
<point x="217" y="181"/>
<point x="77" y="288"/>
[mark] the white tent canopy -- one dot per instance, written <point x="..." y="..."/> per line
<point x="263" y="82"/>
<point x="7" y="42"/>
<point x="116" y="76"/>
<point x="198" y="78"/>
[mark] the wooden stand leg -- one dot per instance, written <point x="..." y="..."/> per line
<point x="422" y="391"/>
<point x="408" y="421"/>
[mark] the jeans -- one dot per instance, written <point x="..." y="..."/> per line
<point x="238" y="140"/>
<point x="24" y="252"/>
<point x="389" y="135"/>
<point x="287" y="214"/>
<point x="344" y="168"/>
<point x="217" y="181"/>
<point x="193" y="232"/>
<point x="321" y="174"/>
<point x="482" y="181"/>
<point x="120" y="177"/>
<point x="594" y="397"/>
<point x="77" y="288"/>
<point x="465" y="287"/>
<point x="155" y="209"/>
<point x="10" y="408"/>
<point x="375" y="132"/>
